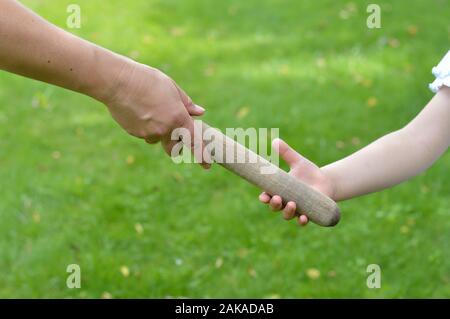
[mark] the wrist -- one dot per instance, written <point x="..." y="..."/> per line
<point x="106" y="74"/>
<point x="333" y="188"/>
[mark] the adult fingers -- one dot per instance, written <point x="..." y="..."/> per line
<point x="196" y="143"/>
<point x="193" y="109"/>
<point x="169" y="147"/>
<point x="151" y="140"/>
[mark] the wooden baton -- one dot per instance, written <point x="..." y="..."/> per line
<point x="238" y="159"/>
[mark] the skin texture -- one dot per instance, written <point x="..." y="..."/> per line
<point x="388" y="161"/>
<point x="143" y="100"/>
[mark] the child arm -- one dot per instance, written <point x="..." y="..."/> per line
<point x="388" y="161"/>
<point x="397" y="156"/>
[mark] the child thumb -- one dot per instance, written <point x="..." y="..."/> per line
<point x="290" y="156"/>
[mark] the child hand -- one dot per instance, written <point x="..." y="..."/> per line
<point x="304" y="170"/>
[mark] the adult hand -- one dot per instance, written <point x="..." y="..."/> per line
<point x="150" y="105"/>
<point x="143" y="100"/>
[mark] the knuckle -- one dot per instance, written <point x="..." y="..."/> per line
<point x="151" y="141"/>
<point x="146" y="117"/>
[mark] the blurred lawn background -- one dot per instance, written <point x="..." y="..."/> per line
<point x="76" y="189"/>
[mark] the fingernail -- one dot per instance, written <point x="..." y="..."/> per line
<point x="200" y="108"/>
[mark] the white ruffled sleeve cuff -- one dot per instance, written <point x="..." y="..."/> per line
<point x="442" y="74"/>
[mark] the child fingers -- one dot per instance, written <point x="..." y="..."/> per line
<point x="302" y="220"/>
<point x="289" y="211"/>
<point x="276" y="203"/>
<point x="265" y="198"/>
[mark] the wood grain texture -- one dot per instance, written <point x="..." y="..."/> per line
<point x="319" y="208"/>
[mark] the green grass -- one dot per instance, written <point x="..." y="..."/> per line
<point x="295" y="65"/>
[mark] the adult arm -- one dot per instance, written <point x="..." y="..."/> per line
<point x="143" y="100"/>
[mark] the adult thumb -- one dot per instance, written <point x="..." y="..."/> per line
<point x="193" y="109"/>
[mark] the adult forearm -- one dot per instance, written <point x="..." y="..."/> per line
<point x="32" y="47"/>
<point x="397" y="156"/>
<point x="144" y="101"/>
